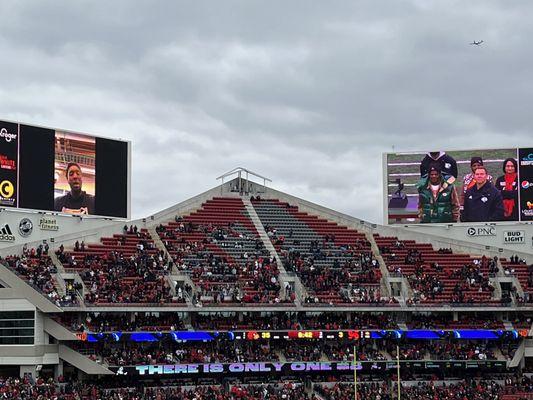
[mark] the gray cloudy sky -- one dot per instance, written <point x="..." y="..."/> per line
<point x="308" y="93"/>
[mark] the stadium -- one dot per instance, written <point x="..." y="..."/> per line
<point x="247" y="292"/>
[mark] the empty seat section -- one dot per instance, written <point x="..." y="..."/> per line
<point x="335" y="263"/>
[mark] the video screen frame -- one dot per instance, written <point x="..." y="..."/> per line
<point x="406" y="167"/>
<point x="40" y="178"/>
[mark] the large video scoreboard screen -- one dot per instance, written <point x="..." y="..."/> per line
<point x="459" y="186"/>
<point x="59" y="171"/>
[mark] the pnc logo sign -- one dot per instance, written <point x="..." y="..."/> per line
<point x="481" y="231"/>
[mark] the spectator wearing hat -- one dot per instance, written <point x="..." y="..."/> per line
<point x="437" y="199"/>
<point x="448" y="165"/>
<point x="468" y="180"/>
<point x="483" y="202"/>
<point x="507" y="184"/>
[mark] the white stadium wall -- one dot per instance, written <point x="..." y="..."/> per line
<point x="18" y="228"/>
<point x="513" y="237"/>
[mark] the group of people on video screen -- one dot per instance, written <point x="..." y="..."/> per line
<point x="480" y="199"/>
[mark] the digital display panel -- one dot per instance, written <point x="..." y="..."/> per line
<point x="59" y="171"/>
<point x="346" y="335"/>
<point x="458" y="186"/>
<point x="258" y="368"/>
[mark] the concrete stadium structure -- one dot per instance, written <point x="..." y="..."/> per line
<point x="51" y="347"/>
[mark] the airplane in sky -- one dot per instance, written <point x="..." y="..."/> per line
<point x="476" y="43"/>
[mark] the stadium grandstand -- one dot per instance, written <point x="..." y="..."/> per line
<point x="246" y="292"/>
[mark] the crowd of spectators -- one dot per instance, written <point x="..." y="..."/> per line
<point x="471" y="390"/>
<point x="294" y="321"/>
<point x="124" y="354"/>
<point x="442" y="350"/>
<point x="37" y="268"/>
<point x="522" y="320"/>
<point x="425" y="285"/>
<point x="346" y="391"/>
<point x="116" y="278"/>
<point x="305" y="352"/>
<point x="227" y="263"/>
<point x="508" y="268"/>
<point x="354" y="280"/>
<point x="439" y="276"/>
<point x="287" y="391"/>
<point x="167" y="351"/>
<point x="468" y="281"/>
<point x="107" y="322"/>
<point x="326" y="321"/>
<point x="163" y="321"/>
<point x="331" y="272"/>
<point x="28" y="389"/>
<point x="470" y="277"/>
<point x="342" y="351"/>
<point x="520" y="387"/>
<point x="465" y="321"/>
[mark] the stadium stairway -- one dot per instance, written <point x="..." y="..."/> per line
<point x="497" y="287"/>
<point x="518" y="356"/>
<point x="292" y="229"/>
<point x="181" y="280"/>
<point x="385" y="354"/>
<point x="284" y="278"/>
<point x="220" y="227"/>
<point x="157" y="241"/>
<point x="385" y="282"/>
<point x="508" y="325"/>
<point x="402" y="326"/>
<point x="58" y="264"/>
<point x="281" y="356"/>
<point x="59" y="284"/>
<point x="262" y="233"/>
<point x="82" y="362"/>
<point x="499" y="355"/>
<point x="57" y="330"/>
<point x="519" y="278"/>
<point x="62" y="276"/>
<point x="24" y="290"/>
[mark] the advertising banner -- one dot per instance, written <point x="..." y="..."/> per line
<point x="8" y="164"/>
<point x="525" y="157"/>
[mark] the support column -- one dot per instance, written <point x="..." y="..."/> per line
<point x="58" y="370"/>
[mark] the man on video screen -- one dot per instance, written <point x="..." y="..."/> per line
<point x="437" y="199"/>
<point x="483" y="202"/>
<point x="76" y="201"/>
<point x="448" y="165"/>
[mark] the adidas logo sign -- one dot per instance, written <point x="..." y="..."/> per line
<point x="6" y="235"/>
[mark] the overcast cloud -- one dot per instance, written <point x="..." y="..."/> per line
<point x="307" y="93"/>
